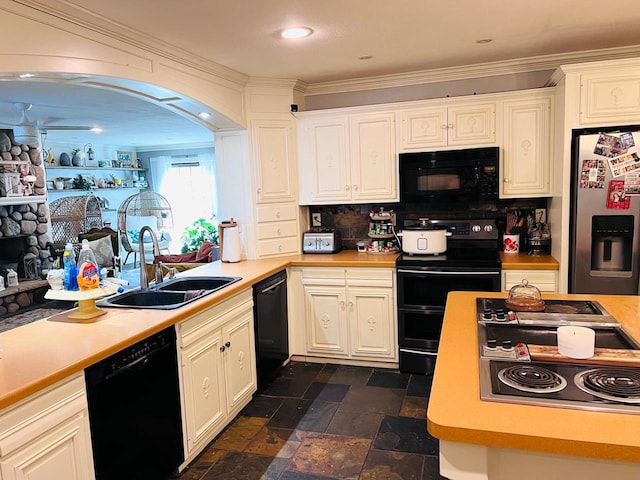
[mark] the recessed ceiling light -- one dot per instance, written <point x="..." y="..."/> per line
<point x="95" y="130"/>
<point x="484" y="40"/>
<point x="27" y="75"/>
<point x="296" y="32"/>
<point x="204" y="115"/>
<point x="365" y="57"/>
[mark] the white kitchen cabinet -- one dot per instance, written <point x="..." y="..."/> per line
<point x="47" y="435"/>
<point x="274" y="160"/>
<point x="217" y="368"/>
<point x="610" y="96"/>
<point x="545" y="280"/>
<point x="350" y="313"/>
<point x="277" y="229"/>
<point x="441" y="126"/>
<point x="525" y="162"/>
<point x="374" y="161"/>
<point x="348" y="158"/>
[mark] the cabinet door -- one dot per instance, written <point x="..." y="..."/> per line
<point x="526" y="152"/>
<point x="204" y="400"/>
<point x="239" y="360"/>
<point x="371" y="322"/>
<point x="610" y="97"/>
<point x="62" y="452"/>
<point x="472" y="124"/>
<point x="325" y="310"/>
<point x="423" y="128"/>
<point x="273" y="160"/>
<point x="325" y="174"/>
<point x="373" y="158"/>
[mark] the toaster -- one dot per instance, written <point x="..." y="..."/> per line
<point x="321" y="241"/>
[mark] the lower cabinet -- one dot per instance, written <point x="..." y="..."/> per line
<point x="350" y="313"/>
<point x="544" y="280"/>
<point x="216" y="349"/>
<point x="47" y="435"/>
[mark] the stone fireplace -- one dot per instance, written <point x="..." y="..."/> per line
<point x="24" y="220"/>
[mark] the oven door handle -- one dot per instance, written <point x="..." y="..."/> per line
<point x="419" y="352"/>
<point x="434" y="272"/>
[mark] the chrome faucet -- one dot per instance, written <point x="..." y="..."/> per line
<point x="144" y="278"/>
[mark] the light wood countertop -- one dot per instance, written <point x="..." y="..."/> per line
<point x="522" y="261"/>
<point x="457" y="414"/>
<point x="46" y="351"/>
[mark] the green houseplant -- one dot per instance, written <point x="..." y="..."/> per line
<point x="195" y="234"/>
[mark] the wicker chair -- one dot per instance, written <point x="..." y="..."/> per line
<point x="139" y="210"/>
<point x="71" y="216"/>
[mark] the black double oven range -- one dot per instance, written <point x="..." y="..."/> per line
<point x="471" y="263"/>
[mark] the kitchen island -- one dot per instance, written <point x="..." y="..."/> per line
<point x="500" y="441"/>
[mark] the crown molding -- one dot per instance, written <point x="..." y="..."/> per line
<point x="479" y="70"/>
<point x="86" y="19"/>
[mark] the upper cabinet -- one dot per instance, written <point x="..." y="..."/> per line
<point x="526" y="145"/>
<point x="348" y="158"/>
<point x="374" y="162"/>
<point x="610" y="97"/>
<point x="465" y="124"/>
<point x="274" y="153"/>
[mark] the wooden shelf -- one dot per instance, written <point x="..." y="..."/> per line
<point x="116" y="189"/>
<point x="128" y="169"/>
<point x="23" y="200"/>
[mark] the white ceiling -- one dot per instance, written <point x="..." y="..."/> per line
<point x="399" y="36"/>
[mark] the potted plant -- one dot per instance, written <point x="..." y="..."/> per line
<point x="198" y="232"/>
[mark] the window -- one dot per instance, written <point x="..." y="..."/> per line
<point x="188" y="183"/>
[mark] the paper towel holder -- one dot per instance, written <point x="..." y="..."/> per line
<point x="222" y="227"/>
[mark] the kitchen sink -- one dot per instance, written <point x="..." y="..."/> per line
<point x="168" y="295"/>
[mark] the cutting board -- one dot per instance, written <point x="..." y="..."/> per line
<point x="602" y="356"/>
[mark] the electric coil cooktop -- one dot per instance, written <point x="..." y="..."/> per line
<point x="511" y="373"/>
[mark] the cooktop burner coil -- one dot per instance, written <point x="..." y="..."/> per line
<point x="532" y="378"/>
<point x="609" y="383"/>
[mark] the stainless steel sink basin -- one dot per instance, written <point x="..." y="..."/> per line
<point x="169" y="295"/>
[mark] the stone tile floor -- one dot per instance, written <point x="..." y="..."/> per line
<point x="324" y="421"/>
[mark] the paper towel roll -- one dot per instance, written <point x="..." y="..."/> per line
<point x="231" y="244"/>
<point x="576" y="342"/>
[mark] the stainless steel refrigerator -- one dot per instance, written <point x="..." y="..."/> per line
<point x="605" y="211"/>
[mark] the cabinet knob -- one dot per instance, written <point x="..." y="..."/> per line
<point x="342" y="304"/>
<point x="259" y="191"/>
<point x="350" y="306"/>
<point x="347" y="188"/>
<point x="506" y="180"/>
<point x="279" y="232"/>
<point x="355" y="187"/>
<point x="279" y="248"/>
<point x="444" y="126"/>
<point x="277" y="214"/>
<point x="228" y="344"/>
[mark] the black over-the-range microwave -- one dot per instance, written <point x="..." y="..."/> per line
<point x="449" y="176"/>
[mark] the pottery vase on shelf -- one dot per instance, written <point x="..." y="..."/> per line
<point x="65" y="159"/>
<point x="76" y="161"/>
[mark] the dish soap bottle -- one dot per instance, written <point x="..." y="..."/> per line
<point x="88" y="275"/>
<point x="70" y="269"/>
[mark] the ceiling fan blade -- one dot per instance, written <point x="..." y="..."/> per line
<point x="65" y="127"/>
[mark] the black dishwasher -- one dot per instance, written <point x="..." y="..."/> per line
<point x="271" y="327"/>
<point x="134" y="411"/>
